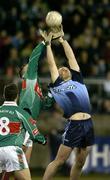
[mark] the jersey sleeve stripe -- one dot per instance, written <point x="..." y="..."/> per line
<point x="24" y="84"/>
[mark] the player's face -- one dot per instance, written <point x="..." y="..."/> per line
<point x="65" y="73"/>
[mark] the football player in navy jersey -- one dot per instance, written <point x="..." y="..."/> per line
<point x="70" y="92"/>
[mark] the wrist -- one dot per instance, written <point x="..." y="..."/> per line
<point x="44" y="142"/>
<point x="61" y="40"/>
<point x="47" y="43"/>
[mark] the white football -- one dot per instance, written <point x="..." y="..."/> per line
<point x="53" y="18"/>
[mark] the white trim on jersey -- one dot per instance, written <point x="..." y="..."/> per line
<point x="9" y="103"/>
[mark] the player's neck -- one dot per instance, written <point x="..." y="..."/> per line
<point x="67" y="79"/>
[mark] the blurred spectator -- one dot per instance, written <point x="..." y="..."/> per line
<point x="84" y="63"/>
<point x="94" y="49"/>
<point x="94" y="71"/>
<point x="18" y="40"/>
<point x="105" y="106"/>
<point x="13" y="57"/>
<point x="106" y="54"/>
<point x="106" y="86"/>
<point x="101" y="67"/>
<point x="86" y="24"/>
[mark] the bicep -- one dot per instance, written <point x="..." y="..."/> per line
<point x="52" y="64"/>
<point x="70" y="56"/>
<point x="74" y="65"/>
<point x="54" y="73"/>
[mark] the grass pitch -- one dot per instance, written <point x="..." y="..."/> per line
<point x="83" y="177"/>
<point x="86" y="177"/>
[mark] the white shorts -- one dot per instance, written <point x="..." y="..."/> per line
<point x="27" y="141"/>
<point x="12" y="158"/>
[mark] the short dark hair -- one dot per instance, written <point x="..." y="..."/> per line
<point x="10" y="92"/>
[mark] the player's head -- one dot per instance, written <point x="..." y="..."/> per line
<point x="65" y="73"/>
<point x="11" y="92"/>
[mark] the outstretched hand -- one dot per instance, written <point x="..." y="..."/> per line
<point x="46" y="36"/>
<point x="57" y="32"/>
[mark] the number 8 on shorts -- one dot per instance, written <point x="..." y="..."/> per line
<point x="4" y="129"/>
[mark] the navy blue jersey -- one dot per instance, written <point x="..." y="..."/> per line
<point x="71" y="95"/>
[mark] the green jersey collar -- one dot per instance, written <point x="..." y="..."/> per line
<point x="9" y="103"/>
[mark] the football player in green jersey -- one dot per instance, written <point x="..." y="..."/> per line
<point x="14" y="122"/>
<point x="31" y="94"/>
<point x="31" y="97"/>
<point x="31" y="85"/>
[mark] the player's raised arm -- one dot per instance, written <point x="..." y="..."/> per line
<point x="33" y="61"/>
<point x="69" y="54"/>
<point x="52" y="65"/>
<point x="50" y="58"/>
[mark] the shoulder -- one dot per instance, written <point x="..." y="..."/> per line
<point x="56" y="83"/>
<point x="77" y="76"/>
<point x="22" y="112"/>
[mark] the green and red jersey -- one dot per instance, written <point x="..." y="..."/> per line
<point x="31" y="97"/>
<point x="31" y="94"/>
<point x="14" y="122"/>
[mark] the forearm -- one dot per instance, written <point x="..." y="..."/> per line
<point x="70" y="55"/>
<point x="36" y="136"/>
<point x="34" y="60"/>
<point x="33" y="131"/>
<point x="30" y="126"/>
<point x="51" y="63"/>
<point x="68" y="50"/>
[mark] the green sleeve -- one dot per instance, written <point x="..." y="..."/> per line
<point x="48" y="101"/>
<point x="30" y="126"/>
<point x="33" y="61"/>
